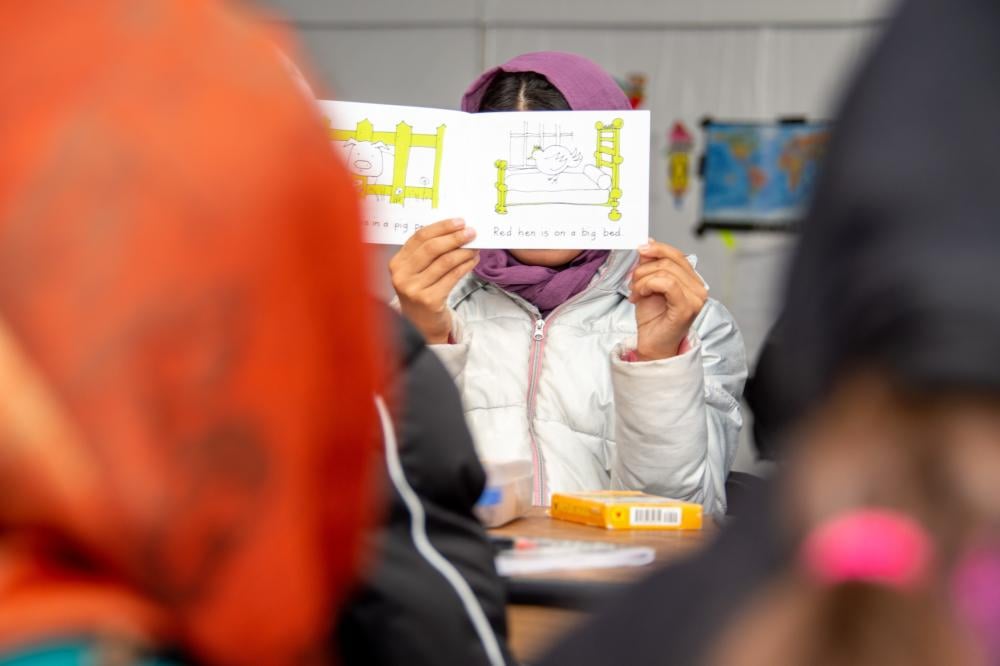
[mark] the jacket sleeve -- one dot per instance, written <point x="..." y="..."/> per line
<point x="455" y="354"/>
<point x="678" y="420"/>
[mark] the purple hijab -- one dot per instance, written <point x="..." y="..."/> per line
<point x="586" y="87"/>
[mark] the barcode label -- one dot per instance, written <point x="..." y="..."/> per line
<point x="669" y="516"/>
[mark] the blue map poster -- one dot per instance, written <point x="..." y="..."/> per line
<point x="760" y="173"/>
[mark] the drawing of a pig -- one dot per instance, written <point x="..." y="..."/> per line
<point x="366" y="158"/>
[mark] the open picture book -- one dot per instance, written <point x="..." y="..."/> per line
<point x="535" y="179"/>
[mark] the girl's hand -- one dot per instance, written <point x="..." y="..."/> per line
<point x="668" y="295"/>
<point x="425" y="271"/>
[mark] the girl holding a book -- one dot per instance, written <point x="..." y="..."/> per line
<point x="608" y="369"/>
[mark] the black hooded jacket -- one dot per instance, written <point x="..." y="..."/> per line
<point x="407" y="611"/>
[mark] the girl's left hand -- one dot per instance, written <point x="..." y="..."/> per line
<point x="668" y="296"/>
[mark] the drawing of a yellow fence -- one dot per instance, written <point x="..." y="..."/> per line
<point x="402" y="140"/>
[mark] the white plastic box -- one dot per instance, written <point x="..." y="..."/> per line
<point x="507" y="494"/>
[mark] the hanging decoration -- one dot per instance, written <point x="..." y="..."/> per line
<point x="679" y="162"/>
<point x="634" y="87"/>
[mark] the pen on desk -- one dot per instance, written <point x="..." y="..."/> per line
<point x="502" y="543"/>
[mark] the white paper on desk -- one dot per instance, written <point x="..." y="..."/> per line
<point x="559" y="555"/>
<point x="536" y="179"/>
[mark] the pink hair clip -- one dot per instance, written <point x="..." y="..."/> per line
<point x="868" y="545"/>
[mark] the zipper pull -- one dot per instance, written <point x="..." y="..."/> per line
<point x="539" y="329"/>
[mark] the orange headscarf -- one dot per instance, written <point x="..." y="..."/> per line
<point x="185" y="349"/>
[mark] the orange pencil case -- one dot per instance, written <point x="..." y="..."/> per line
<point x="626" y="510"/>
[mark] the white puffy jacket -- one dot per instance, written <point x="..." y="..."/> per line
<point x="556" y="391"/>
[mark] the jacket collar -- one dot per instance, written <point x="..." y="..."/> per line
<point x="619" y="268"/>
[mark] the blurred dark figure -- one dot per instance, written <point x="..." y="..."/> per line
<point x="774" y="405"/>
<point x="880" y="542"/>
<point x="186" y="358"/>
<point x="430" y="593"/>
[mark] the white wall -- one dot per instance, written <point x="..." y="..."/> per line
<point x="730" y="59"/>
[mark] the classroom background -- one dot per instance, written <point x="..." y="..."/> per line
<point x="206" y="416"/>
<point x="723" y="59"/>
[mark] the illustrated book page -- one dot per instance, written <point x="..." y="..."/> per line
<point x="543" y="179"/>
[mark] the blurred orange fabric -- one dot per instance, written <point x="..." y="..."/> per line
<point x="188" y="341"/>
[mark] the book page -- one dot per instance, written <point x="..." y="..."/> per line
<point x="533" y="555"/>
<point x="404" y="162"/>
<point x="559" y="179"/>
<point x="537" y="179"/>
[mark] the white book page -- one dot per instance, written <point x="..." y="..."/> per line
<point x="543" y="179"/>
<point x="532" y="556"/>
<point x="405" y="163"/>
<point x="557" y="179"/>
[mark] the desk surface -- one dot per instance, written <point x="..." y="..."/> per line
<point x="668" y="545"/>
<point x="533" y="628"/>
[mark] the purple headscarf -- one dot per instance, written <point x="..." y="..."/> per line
<point x="582" y="82"/>
<point x="586" y="87"/>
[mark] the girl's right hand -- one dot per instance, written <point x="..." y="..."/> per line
<point x="425" y="271"/>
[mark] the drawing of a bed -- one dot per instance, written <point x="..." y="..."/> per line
<point x="413" y="161"/>
<point x="545" y="168"/>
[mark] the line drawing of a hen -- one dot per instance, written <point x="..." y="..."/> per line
<point x="553" y="160"/>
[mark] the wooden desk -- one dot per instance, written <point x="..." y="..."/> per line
<point x="532" y="628"/>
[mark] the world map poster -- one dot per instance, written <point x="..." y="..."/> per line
<point x="758" y="173"/>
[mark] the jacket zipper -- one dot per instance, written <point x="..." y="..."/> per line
<point x="534" y="365"/>
<point x="534" y="369"/>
